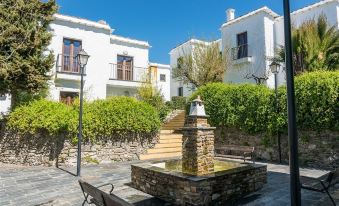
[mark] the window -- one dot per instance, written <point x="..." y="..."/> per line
<point x="242" y="46"/>
<point x="125" y="68"/>
<point x="70" y="50"/>
<point x="163" y="77"/>
<point x="68" y="97"/>
<point x="180" y="91"/>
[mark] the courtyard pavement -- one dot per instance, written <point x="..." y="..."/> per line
<point x="23" y="186"/>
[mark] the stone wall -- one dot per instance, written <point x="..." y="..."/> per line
<point x="49" y="151"/>
<point x="214" y="189"/>
<point x="316" y="149"/>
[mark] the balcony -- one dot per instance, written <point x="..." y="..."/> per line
<point x="241" y="54"/>
<point x="67" y="67"/>
<point x="128" y="73"/>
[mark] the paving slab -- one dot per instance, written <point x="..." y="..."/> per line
<point x="46" y="186"/>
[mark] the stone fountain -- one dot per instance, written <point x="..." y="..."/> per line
<point x="198" y="178"/>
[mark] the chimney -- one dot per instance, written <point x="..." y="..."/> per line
<point x="230" y="14"/>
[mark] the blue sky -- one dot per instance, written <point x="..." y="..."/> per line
<point x="167" y="23"/>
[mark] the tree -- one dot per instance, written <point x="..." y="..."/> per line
<point x="24" y="37"/>
<point x="203" y="65"/>
<point x="315" y="46"/>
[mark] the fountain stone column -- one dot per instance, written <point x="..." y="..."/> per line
<point x="198" y="141"/>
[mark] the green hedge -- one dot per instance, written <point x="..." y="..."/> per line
<point x="252" y="108"/>
<point x="101" y="118"/>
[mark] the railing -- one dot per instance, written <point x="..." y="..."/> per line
<point x="127" y="73"/>
<point x="67" y="64"/>
<point x="240" y="52"/>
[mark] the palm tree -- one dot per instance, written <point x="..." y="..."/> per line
<point x="315" y="46"/>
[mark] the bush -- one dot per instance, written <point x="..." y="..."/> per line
<point x="101" y="118"/>
<point x="178" y="102"/>
<point x="252" y="107"/>
<point x="248" y="107"/>
<point x="317" y="101"/>
<point x="152" y="95"/>
<point x="41" y="116"/>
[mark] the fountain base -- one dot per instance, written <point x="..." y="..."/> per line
<point x="230" y="180"/>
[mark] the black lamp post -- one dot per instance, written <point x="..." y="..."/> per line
<point x="275" y="67"/>
<point x="292" y="128"/>
<point x="82" y="59"/>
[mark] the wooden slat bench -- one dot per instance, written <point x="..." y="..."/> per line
<point x="321" y="184"/>
<point x="93" y="195"/>
<point x="235" y="152"/>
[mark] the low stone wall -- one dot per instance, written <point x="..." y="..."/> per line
<point x="49" y="151"/>
<point x="215" y="189"/>
<point x="317" y="150"/>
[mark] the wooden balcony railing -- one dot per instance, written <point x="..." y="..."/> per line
<point x="67" y="64"/>
<point x="127" y="73"/>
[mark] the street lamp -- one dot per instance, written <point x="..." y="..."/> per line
<point x="275" y="67"/>
<point x="82" y="59"/>
<point x="292" y="125"/>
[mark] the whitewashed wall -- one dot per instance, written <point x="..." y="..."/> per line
<point x="165" y="87"/>
<point x="182" y="50"/>
<point x="5" y="103"/>
<point x="259" y="28"/>
<point x="96" y="42"/>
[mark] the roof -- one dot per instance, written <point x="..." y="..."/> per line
<point x="77" y="20"/>
<point x="194" y="41"/>
<point x="130" y="41"/>
<point x="160" y="65"/>
<point x="262" y="9"/>
<point x="312" y="6"/>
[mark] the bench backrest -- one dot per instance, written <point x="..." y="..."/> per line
<point x="236" y="148"/>
<point x="333" y="177"/>
<point x="112" y="200"/>
<point x="92" y="191"/>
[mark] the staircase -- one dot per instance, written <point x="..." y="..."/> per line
<point x="170" y="140"/>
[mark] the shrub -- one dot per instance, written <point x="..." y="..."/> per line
<point x="178" y="102"/>
<point x="41" y="116"/>
<point x="101" y="118"/>
<point x="248" y="107"/>
<point x="152" y="95"/>
<point x="317" y="100"/>
<point x="252" y="107"/>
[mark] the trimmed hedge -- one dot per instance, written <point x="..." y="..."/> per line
<point x="101" y="118"/>
<point x="252" y="108"/>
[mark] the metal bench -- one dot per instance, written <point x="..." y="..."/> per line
<point x="235" y="152"/>
<point x="93" y="195"/>
<point x="321" y="184"/>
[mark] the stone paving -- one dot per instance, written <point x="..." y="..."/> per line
<point x="52" y="186"/>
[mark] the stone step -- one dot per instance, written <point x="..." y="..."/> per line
<point x="168" y="144"/>
<point x="160" y="155"/>
<point x="170" y="136"/>
<point x="164" y="150"/>
<point x="165" y="131"/>
<point x="168" y="141"/>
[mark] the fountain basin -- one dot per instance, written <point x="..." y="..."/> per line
<point x="230" y="180"/>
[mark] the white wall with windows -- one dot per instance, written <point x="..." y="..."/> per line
<point x="116" y="67"/>
<point x="249" y="40"/>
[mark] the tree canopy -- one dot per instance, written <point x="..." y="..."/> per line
<point x="315" y="46"/>
<point x="204" y="64"/>
<point x="24" y="37"/>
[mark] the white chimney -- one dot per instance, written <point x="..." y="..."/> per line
<point x="230" y="14"/>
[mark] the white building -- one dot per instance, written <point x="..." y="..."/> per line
<point x="252" y="39"/>
<point x="178" y="88"/>
<point x="117" y="65"/>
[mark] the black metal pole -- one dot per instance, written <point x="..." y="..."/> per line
<point x="80" y="122"/>
<point x="277" y="111"/>
<point x="292" y="127"/>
